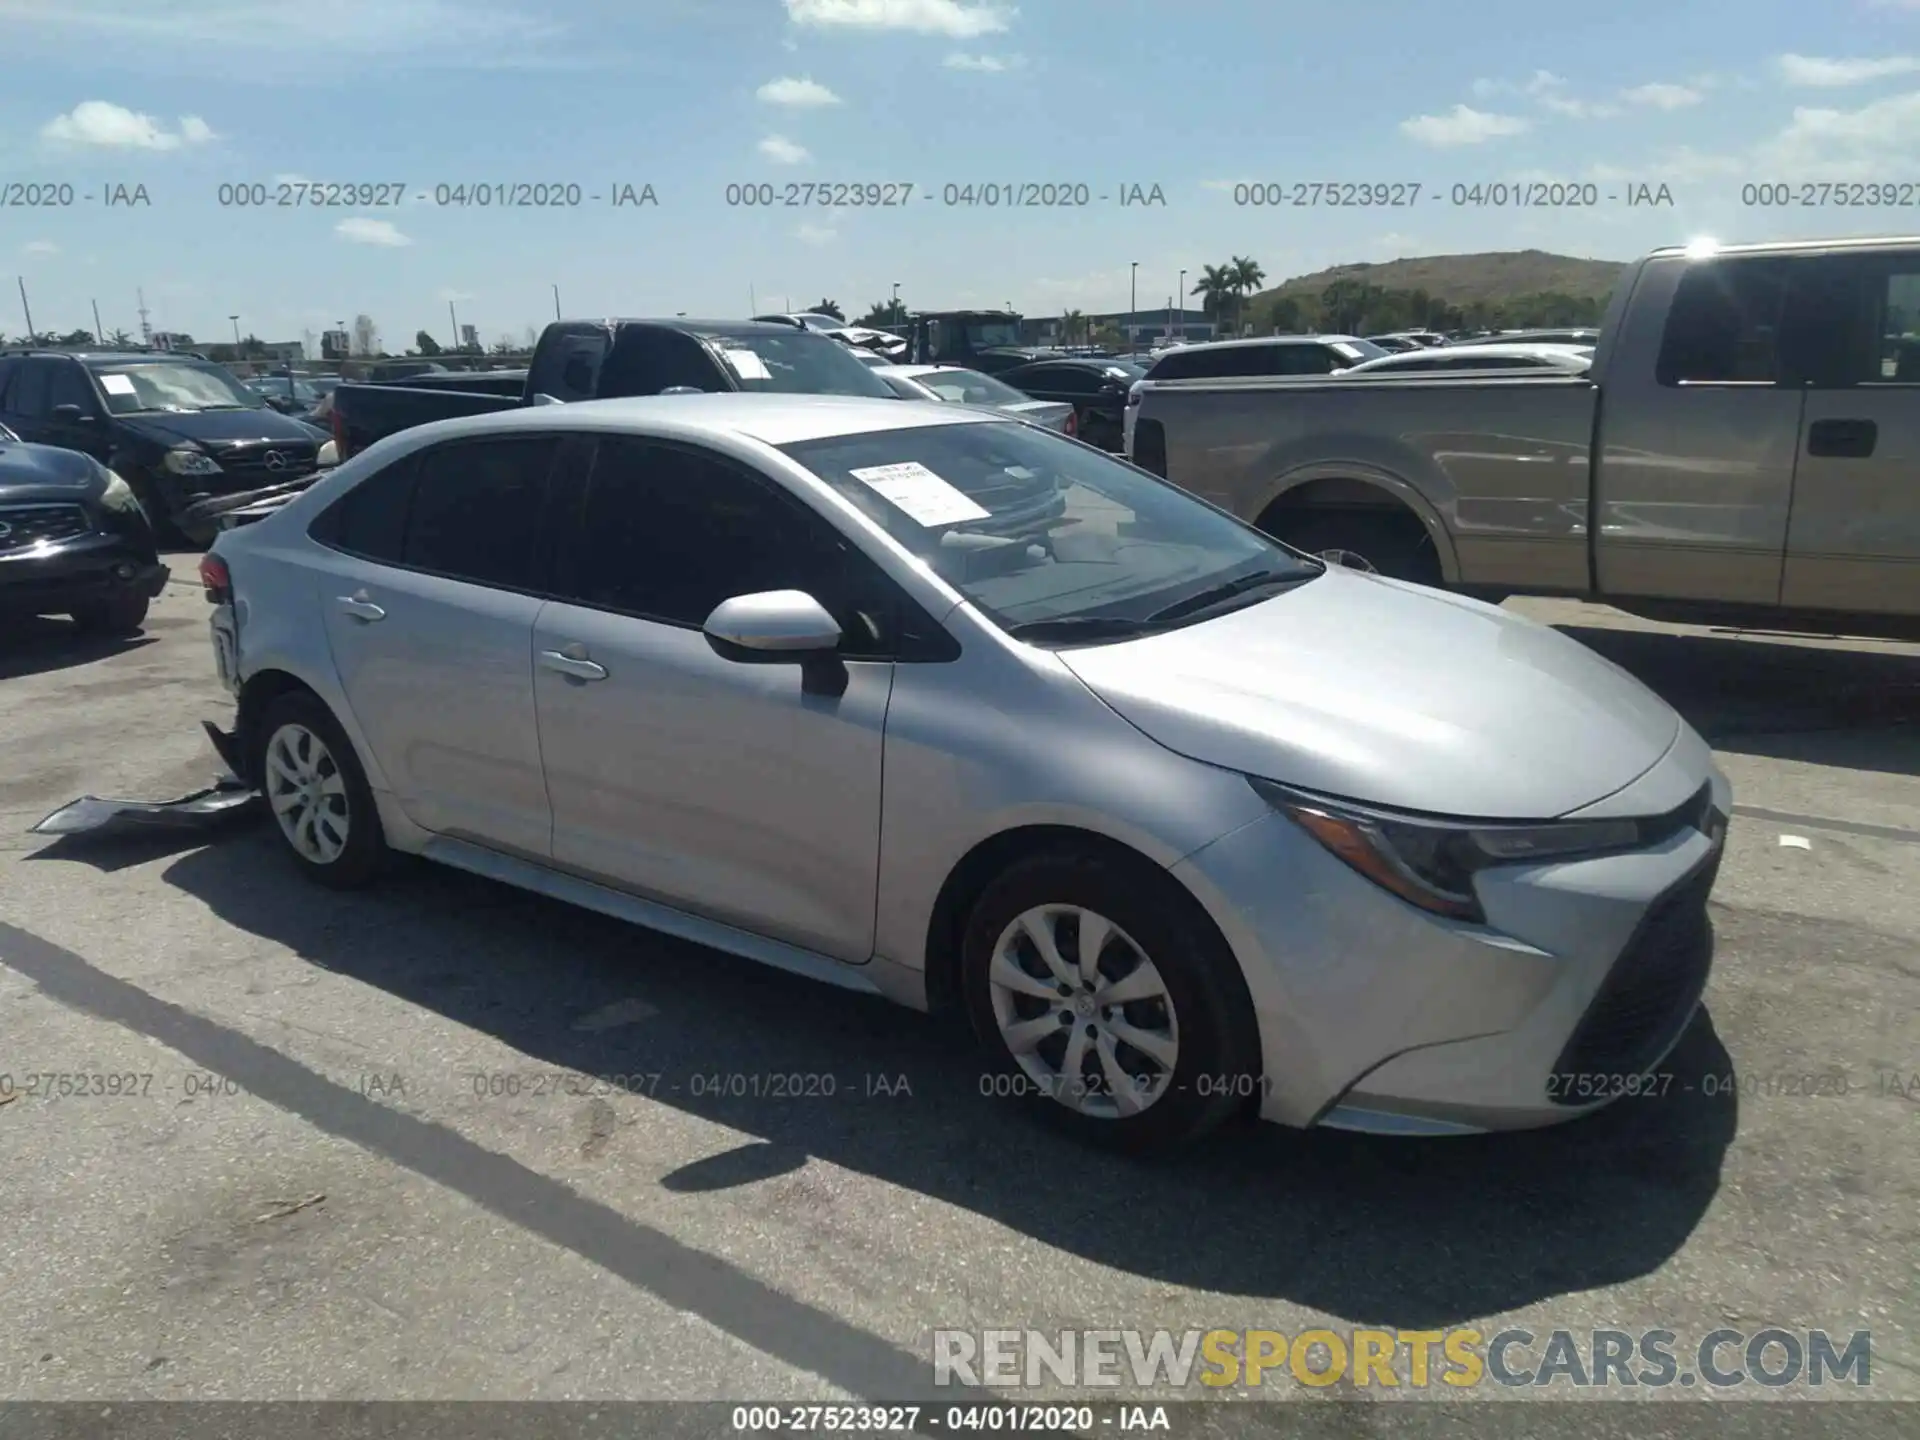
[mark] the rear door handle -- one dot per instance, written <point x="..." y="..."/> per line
<point x="573" y="663"/>
<point x="1842" y="439"/>
<point x="360" y="607"/>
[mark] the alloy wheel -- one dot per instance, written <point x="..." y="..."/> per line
<point x="308" y="794"/>
<point x="1084" y="1011"/>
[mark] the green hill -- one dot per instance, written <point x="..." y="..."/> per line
<point x="1464" y="279"/>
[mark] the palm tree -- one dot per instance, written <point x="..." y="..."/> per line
<point x="1074" y="322"/>
<point x="1248" y="277"/>
<point x="1215" y="287"/>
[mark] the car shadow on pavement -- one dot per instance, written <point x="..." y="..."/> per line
<point x="1733" y="686"/>
<point x="1415" y="1234"/>
<point x="36" y="645"/>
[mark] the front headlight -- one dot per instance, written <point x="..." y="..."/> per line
<point x="119" y="495"/>
<point x="188" y="461"/>
<point x="1432" y="863"/>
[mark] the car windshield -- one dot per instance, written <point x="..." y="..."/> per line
<point x="983" y="335"/>
<point x="176" y="385"/>
<point x="797" y="363"/>
<point x="1049" y="539"/>
<point x="970" y="387"/>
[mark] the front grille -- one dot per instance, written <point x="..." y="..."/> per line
<point x="1650" y="992"/>
<point x="23" y="526"/>
<point x="251" y="463"/>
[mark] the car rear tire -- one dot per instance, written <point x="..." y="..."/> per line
<point x="1147" y="1042"/>
<point x="1396" y="546"/>
<point x="118" y="615"/>
<point x="322" y="806"/>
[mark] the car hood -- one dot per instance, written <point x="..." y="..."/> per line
<point x="35" y="473"/>
<point x="218" y="427"/>
<point x="1369" y="689"/>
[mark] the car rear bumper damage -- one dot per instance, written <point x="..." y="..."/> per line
<point x="229" y="800"/>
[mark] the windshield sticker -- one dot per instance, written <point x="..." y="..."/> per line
<point x="116" y="385"/>
<point x="747" y="365"/>
<point x="923" y="495"/>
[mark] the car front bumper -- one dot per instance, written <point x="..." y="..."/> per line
<point x="49" y="579"/>
<point x="1375" y="1015"/>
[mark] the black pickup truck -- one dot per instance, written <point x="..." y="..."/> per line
<point x="612" y="359"/>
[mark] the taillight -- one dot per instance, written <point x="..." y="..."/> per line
<point x="1133" y="393"/>
<point x="339" y="435"/>
<point x="1073" y="424"/>
<point x="215" y="579"/>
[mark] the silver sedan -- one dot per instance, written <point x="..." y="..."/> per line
<point x="934" y="705"/>
<point x="957" y="385"/>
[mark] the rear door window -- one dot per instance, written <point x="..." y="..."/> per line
<point x="370" y="520"/>
<point x="1724" y="325"/>
<point x="477" y="508"/>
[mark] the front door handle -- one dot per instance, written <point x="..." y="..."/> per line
<point x="360" y="607"/>
<point x="573" y="663"/>
<point x="1842" y="439"/>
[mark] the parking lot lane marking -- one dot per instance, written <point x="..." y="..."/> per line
<point x="691" y="1280"/>
<point x="1821" y="822"/>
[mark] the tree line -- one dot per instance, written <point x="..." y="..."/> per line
<point x="1353" y="307"/>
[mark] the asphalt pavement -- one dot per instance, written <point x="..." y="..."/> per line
<point x="353" y="1155"/>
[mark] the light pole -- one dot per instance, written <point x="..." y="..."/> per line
<point x="236" y="335"/>
<point x="893" y="311"/>
<point x="1133" y="310"/>
<point x="1181" y="296"/>
<point x="556" y="302"/>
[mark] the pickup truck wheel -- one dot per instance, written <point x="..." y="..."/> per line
<point x="1397" y="547"/>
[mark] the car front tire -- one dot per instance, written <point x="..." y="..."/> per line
<point x="1109" y="1000"/>
<point x="322" y="805"/>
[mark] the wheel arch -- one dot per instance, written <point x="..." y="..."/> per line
<point x="992" y="857"/>
<point x="1350" y="486"/>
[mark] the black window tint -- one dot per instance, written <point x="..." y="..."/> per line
<point x="71" y="386"/>
<point x="1302" y="360"/>
<point x="7" y="367"/>
<point x="668" y="533"/>
<point x="28" y="395"/>
<point x="370" y="520"/>
<point x="476" y="508"/>
<point x="1725" y="324"/>
<point x="647" y="361"/>
<point x="1058" y="380"/>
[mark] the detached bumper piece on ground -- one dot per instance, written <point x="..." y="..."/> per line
<point x="228" y="801"/>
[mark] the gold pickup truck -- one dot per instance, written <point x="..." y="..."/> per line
<point x="1744" y="450"/>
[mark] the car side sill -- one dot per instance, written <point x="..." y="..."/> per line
<point x="492" y="865"/>
<point x="1386" y="1122"/>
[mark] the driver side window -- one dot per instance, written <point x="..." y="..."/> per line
<point x="669" y="531"/>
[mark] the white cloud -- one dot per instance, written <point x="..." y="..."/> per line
<point x="1813" y="71"/>
<point x="1462" y="125"/>
<point x="990" y="64"/>
<point x="361" y="230"/>
<point x="1660" y="96"/>
<point x="783" y="151"/>
<point x="955" y="19"/>
<point x="455" y="295"/>
<point x="815" y="234"/>
<point x="1864" y="144"/>
<point x="40" y="247"/>
<point x="291" y="178"/>
<point x="801" y="92"/>
<point x="114" y="127"/>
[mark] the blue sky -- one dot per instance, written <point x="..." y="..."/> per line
<point x="688" y="96"/>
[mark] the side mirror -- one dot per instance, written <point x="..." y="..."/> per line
<point x="780" y="626"/>
<point x="70" y="415"/>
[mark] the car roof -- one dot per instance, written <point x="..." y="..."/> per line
<point x="772" y="419"/>
<point x="1268" y="340"/>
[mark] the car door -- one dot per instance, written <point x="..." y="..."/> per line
<point x="1697" y="450"/>
<point x="76" y="419"/>
<point x="1853" y="541"/>
<point x="725" y="789"/>
<point x="28" y="408"/>
<point x="428" y="588"/>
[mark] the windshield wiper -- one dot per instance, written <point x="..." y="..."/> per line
<point x="1229" y="590"/>
<point x="1081" y="627"/>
